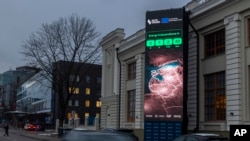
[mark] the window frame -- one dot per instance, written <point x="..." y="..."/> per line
<point x="86" y="114"/>
<point x="74" y="90"/>
<point x="131" y="101"/>
<point x="70" y="102"/>
<point x="215" y="43"/>
<point x="76" y="103"/>
<point x="74" y="78"/>
<point x="131" y="71"/>
<point x="98" y="104"/>
<point x="215" y="97"/>
<point x="87" y="103"/>
<point x="87" y="79"/>
<point x="87" y="91"/>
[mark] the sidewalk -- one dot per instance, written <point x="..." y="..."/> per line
<point x="48" y="135"/>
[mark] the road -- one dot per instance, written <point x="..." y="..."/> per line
<point x="21" y="135"/>
<point x="16" y="137"/>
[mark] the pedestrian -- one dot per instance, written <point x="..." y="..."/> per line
<point x="6" y="129"/>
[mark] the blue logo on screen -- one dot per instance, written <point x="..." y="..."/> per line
<point x="164" y="20"/>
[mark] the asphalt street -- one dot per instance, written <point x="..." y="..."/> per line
<point x="16" y="137"/>
<point x="22" y="135"/>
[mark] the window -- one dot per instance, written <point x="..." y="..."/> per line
<point x="76" y="103"/>
<point x="69" y="115"/>
<point x="74" y="90"/>
<point x="87" y="91"/>
<point x="88" y="79"/>
<point x="215" y="43"/>
<point x="97" y="115"/>
<point x="74" y="78"/>
<point x="215" y="97"/>
<point x="86" y="114"/>
<point x="98" y="104"/>
<point x="70" y="102"/>
<point x="87" y="103"/>
<point x="131" y="71"/>
<point x="131" y="106"/>
<point x="72" y="114"/>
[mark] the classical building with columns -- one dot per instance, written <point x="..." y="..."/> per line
<point x="218" y="70"/>
<point x="122" y="74"/>
<point x="223" y="97"/>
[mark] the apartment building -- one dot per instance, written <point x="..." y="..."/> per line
<point x="84" y="104"/>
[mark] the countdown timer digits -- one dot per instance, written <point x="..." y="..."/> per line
<point x="165" y="39"/>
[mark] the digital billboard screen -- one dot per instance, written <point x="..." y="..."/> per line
<point x="163" y="99"/>
<point x="165" y="42"/>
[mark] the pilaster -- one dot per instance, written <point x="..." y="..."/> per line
<point x="233" y="69"/>
<point x="139" y="117"/>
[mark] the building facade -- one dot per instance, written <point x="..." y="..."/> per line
<point x="223" y="63"/>
<point x="84" y="103"/>
<point x="218" y="70"/>
<point x="38" y="99"/>
<point x="34" y="97"/>
<point x="123" y="67"/>
<point x="9" y="82"/>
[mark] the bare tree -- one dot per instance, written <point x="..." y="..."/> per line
<point x="70" y="41"/>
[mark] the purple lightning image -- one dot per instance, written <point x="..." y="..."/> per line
<point x="165" y="85"/>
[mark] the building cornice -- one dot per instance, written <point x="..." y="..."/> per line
<point x="204" y="7"/>
<point x="109" y="98"/>
<point x="132" y="40"/>
<point x="113" y="37"/>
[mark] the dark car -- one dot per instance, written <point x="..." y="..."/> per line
<point x="201" y="137"/>
<point x="97" y="136"/>
<point x="121" y="130"/>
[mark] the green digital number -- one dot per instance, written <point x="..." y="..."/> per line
<point x="168" y="42"/>
<point x="150" y="43"/>
<point x="177" y="41"/>
<point x="159" y="42"/>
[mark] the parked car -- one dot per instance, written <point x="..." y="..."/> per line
<point x="98" y="136"/>
<point x="34" y="127"/>
<point x="121" y="130"/>
<point x="29" y="127"/>
<point x="201" y="137"/>
<point x="39" y="127"/>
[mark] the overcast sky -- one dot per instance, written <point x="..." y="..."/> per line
<point x="19" y="18"/>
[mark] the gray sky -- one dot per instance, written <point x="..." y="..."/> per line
<point x="19" y="18"/>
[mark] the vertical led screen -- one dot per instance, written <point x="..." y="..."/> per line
<point x="164" y="74"/>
